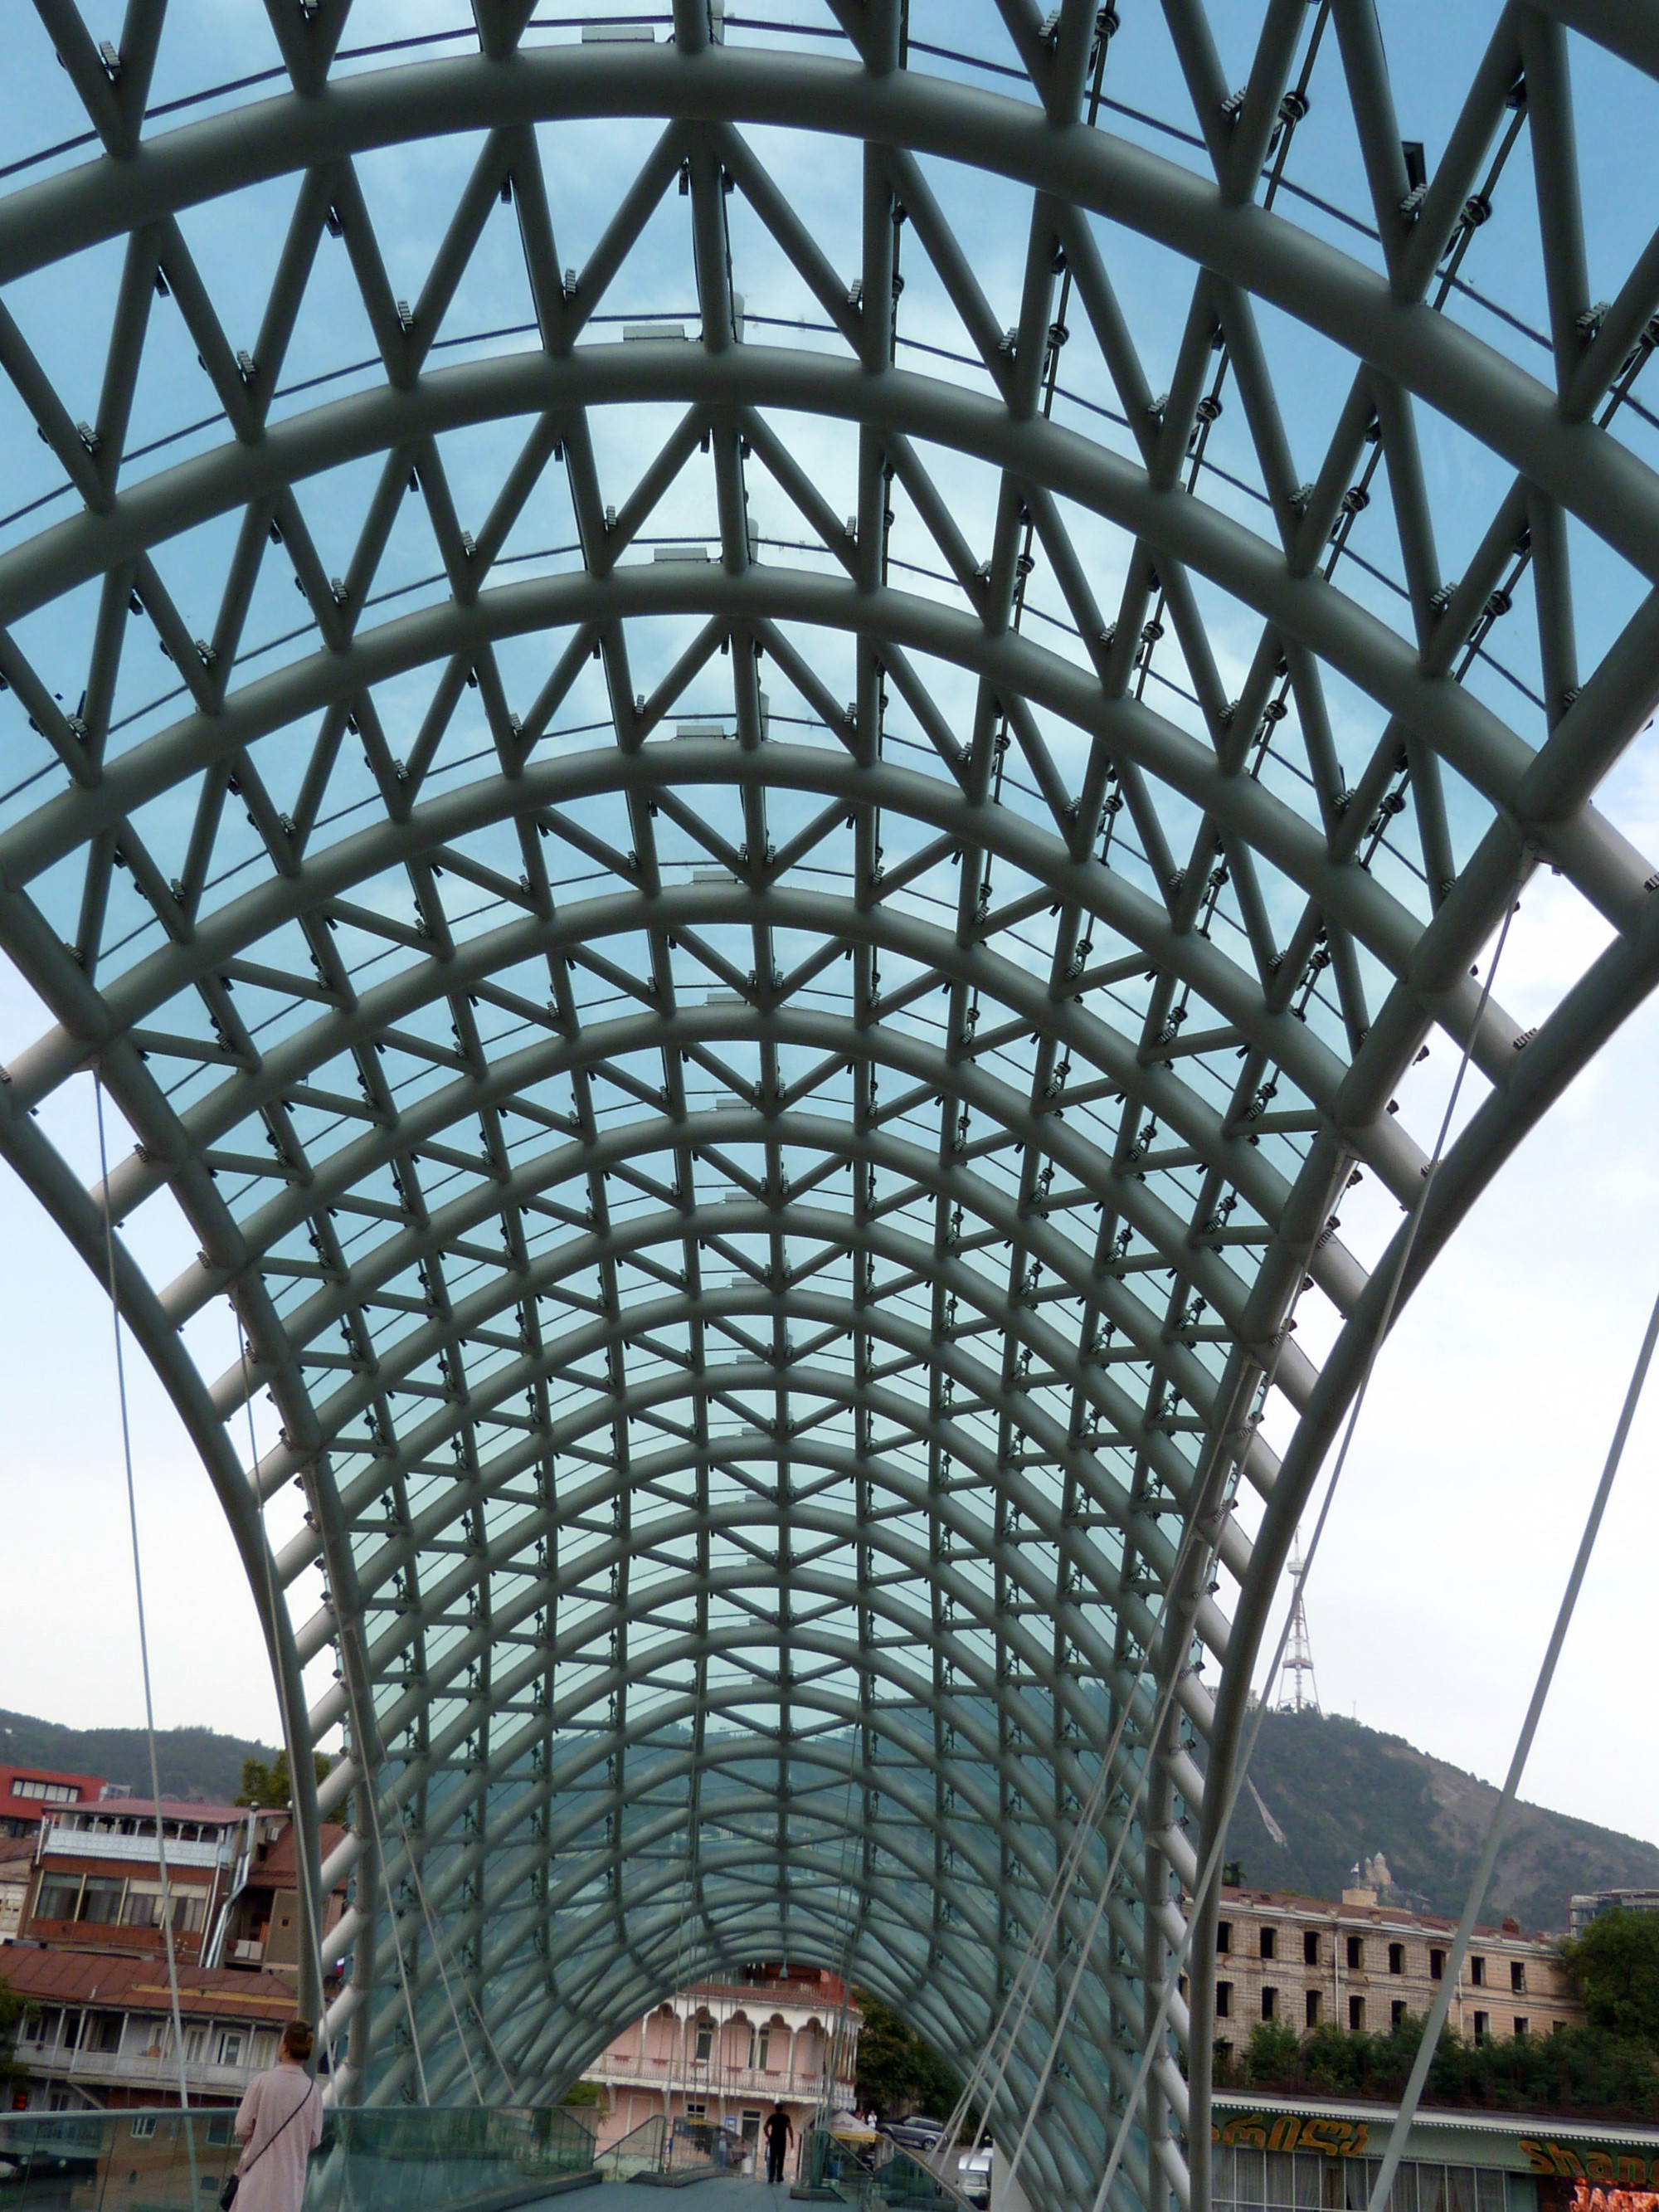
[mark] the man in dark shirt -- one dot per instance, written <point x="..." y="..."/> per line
<point x="779" y="2129"/>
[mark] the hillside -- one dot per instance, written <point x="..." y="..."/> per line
<point x="1341" y="1792"/>
<point x="194" y="1762"/>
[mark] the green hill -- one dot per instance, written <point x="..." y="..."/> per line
<point x="194" y="1762"/>
<point x="1340" y="1791"/>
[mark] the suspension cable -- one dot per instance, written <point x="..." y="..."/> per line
<point x="307" y="1874"/>
<point x="1244" y="1438"/>
<point x="1155" y="2026"/>
<point x="143" y="1641"/>
<point x="1235" y="1442"/>
<point x="1500" y="1812"/>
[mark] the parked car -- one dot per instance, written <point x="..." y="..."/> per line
<point x="974" y="2173"/>
<point x="917" y="2133"/>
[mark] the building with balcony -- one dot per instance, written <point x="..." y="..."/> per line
<point x="96" y="1885"/>
<point x="97" y="1882"/>
<point x="1365" y="1965"/>
<point x="99" y="2032"/>
<point x="30" y="1794"/>
<point x="728" y="2052"/>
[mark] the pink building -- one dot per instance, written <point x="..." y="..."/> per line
<point x="728" y="2052"/>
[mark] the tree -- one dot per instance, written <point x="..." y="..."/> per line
<point x="1615" y="1965"/>
<point x="271" y="1786"/>
<point x="13" y="2009"/>
<point x="897" y="2073"/>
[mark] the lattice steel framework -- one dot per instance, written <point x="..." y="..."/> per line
<point x="760" y="996"/>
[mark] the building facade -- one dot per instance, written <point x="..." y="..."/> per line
<point x="1591" y="1904"/>
<point x="100" y="2030"/>
<point x="17" y="1872"/>
<point x="1365" y="1965"/>
<point x="1274" y="2153"/>
<point x="727" y="2052"/>
<point x="95" y="1884"/>
<point x="30" y="1794"/>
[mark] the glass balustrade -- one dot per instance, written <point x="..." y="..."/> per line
<point x="402" y="2158"/>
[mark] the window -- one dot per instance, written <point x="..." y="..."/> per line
<point x="1477" y="1971"/>
<point x="695" y="2109"/>
<point x="1224" y="1937"/>
<point x="1437" y="1965"/>
<point x="58" y="1899"/>
<point x="1356" y="2016"/>
<point x="1522" y="2025"/>
<point x="143" y="2127"/>
<point x="1396" y="2011"/>
<point x="231" y="2041"/>
<point x="49" y="1793"/>
<point x="195" y="2045"/>
<point x="1224" y="1999"/>
<point x="1310" y="1946"/>
<point x="705" y="2039"/>
<point x="1310" y="2007"/>
<point x="218" y="2130"/>
<point x="101" y="1899"/>
<point x="1356" y="1954"/>
<point x="1396" y="1958"/>
<point x="1482" y="2027"/>
<point x="1270" y="1942"/>
<point x="1269" y="2005"/>
<point x="103" y="2031"/>
<point x="1517" y="1976"/>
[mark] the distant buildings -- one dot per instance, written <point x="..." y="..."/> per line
<point x="87" y="1944"/>
<point x="728" y="2052"/>
<point x="29" y="1794"/>
<point x="1581" y="1909"/>
<point x="1364" y="1965"/>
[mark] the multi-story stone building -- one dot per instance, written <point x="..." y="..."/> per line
<point x="728" y="2052"/>
<point x="1365" y="1965"/>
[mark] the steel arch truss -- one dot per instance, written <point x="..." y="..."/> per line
<point x="761" y="995"/>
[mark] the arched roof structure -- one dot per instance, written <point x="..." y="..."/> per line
<point x="924" y="656"/>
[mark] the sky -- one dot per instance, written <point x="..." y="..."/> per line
<point x="1448" y="1543"/>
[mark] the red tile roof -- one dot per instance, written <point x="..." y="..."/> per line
<point x="55" y="1976"/>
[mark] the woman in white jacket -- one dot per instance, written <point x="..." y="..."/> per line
<point x="279" y="2125"/>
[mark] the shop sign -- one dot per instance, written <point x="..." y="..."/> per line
<point x="1290" y="2131"/>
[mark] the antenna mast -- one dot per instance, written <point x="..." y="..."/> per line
<point x="1298" y="1687"/>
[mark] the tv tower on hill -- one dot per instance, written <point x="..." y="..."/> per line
<point x="1299" y="1686"/>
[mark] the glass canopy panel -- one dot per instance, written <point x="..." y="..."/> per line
<point x="757" y="754"/>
